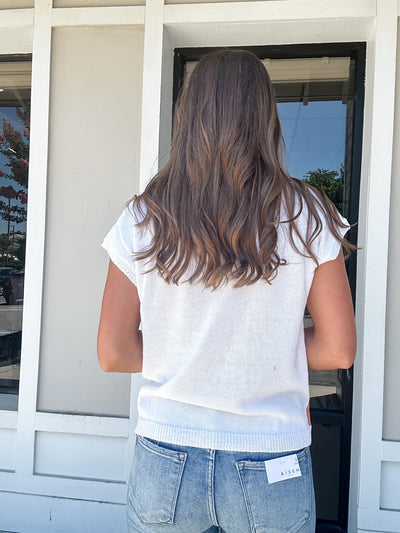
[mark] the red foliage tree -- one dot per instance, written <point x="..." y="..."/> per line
<point x="15" y="148"/>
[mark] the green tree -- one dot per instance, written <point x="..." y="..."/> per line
<point x="329" y="181"/>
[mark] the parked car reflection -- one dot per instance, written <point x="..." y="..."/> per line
<point x="11" y="286"/>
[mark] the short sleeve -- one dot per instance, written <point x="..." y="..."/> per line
<point x="326" y="246"/>
<point x="119" y="244"/>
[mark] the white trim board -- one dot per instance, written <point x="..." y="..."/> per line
<point x="66" y="423"/>
<point x="35" y="237"/>
<point x="151" y="93"/>
<point x="267" y="33"/>
<point x="98" y="16"/>
<point x="62" y="487"/>
<point x="59" y="515"/>
<point x="278" y="10"/>
<point x="367" y="446"/>
<point x="83" y="425"/>
<point x="374" y="206"/>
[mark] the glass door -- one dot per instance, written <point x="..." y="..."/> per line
<point x="319" y="90"/>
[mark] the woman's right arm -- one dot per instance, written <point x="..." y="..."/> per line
<point x="331" y="342"/>
<point x="119" y="341"/>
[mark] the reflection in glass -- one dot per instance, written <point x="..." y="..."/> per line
<point x="315" y="137"/>
<point x="315" y="103"/>
<point x="14" y="163"/>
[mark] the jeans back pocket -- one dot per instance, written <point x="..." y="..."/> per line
<point x="154" y="482"/>
<point x="284" y="506"/>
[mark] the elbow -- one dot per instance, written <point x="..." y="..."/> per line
<point x="346" y="364"/>
<point x="105" y="360"/>
<point x="342" y="348"/>
<point x="113" y="357"/>
<point x="106" y="356"/>
<point x="105" y="366"/>
<point x="329" y="352"/>
<point x="345" y="357"/>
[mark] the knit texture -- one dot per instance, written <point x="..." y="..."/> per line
<point x="224" y="369"/>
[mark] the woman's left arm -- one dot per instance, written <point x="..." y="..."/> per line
<point x="119" y="340"/>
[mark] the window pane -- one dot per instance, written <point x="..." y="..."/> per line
<point x="14" y="162"/>
<point x="315" y="103"/>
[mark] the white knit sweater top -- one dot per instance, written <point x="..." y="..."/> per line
<point x="223" y="369"/>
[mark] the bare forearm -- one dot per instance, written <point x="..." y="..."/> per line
<point x="122" y="354"/>
<point x="321" y="356"/>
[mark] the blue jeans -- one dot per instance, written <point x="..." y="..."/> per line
<point x="184" y="489"/>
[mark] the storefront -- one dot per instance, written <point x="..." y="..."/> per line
<point x="100" y="79"/>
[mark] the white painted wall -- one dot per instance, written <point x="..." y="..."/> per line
<point x="16" y="4"/>
<point x="391" y="417"/>
<point x="95" y="106"/>
<point x="97" y="3"/>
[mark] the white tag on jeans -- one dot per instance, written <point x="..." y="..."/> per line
<point x="282" y="468"/>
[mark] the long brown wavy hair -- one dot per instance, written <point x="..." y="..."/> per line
<point x="215" y="207"/>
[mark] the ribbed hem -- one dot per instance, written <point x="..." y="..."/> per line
<point x="234" y="442"/>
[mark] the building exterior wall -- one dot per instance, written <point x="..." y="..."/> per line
<point x="391" y="418"/>
<point x="96" y="84"/>
<point x="101" y="117"/>
<point x="390" y="484"/>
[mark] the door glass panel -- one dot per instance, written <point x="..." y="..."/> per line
<point x="315" y="107"/>
<point x="14" y="161"/>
